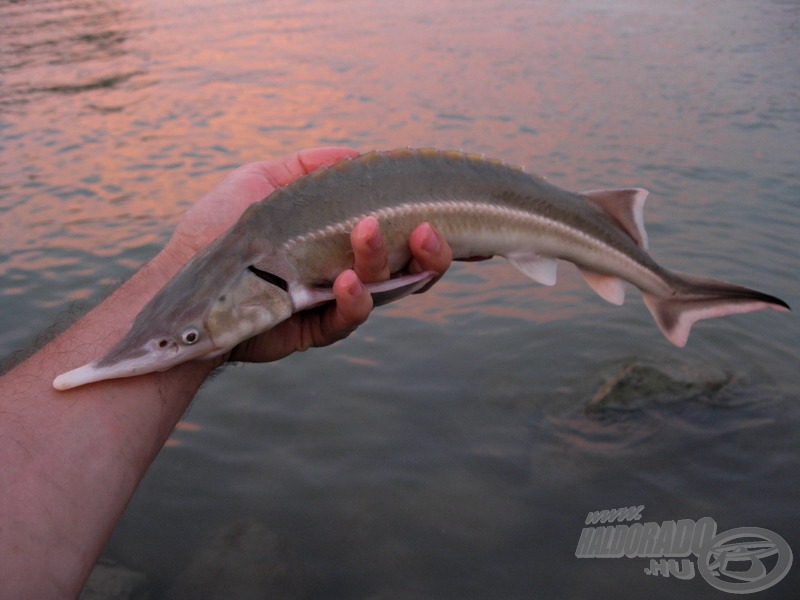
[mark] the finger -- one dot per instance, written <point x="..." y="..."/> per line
<point x="252" y="182"/>
<point x="313" y="158"/>
<point x="371" y="260"/>
<point x="283" y="171"/>
<point x="429" y="249"/>
<point x="352" y="307"/>
<point x="315" y="328"/>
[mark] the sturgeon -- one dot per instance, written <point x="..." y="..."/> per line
<point x="283" y="254"/>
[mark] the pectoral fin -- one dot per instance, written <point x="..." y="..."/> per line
<point x="390" y="290"/>
<point x="383" y="292"/>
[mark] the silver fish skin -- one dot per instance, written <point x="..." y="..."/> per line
<point x="283" y="254"/>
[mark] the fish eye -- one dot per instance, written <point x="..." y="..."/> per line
<point x="190" y="336"/>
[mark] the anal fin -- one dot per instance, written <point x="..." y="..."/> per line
<point x="608" y="287"/>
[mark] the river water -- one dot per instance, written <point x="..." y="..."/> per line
<point x="451" y="448"/>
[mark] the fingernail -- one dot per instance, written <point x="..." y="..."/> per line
<point x="374" y="241"/>
<point x="430" y="242"/>
<point x="356" y="288"/>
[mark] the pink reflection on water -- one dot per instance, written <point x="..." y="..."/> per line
<point x="118" y="116"/>
<point x="183" y="428"/>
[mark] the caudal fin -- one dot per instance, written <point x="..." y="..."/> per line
<point x="704" y="299"/>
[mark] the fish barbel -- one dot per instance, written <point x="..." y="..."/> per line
<point x="283" y="254"/>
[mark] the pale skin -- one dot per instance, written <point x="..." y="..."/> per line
<point x="70" y="461"/>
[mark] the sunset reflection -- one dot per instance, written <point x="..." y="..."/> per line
<point x="183" y="428"/>
<point x="117" y="116"/>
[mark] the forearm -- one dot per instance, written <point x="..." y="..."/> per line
<point x="70" y="461"/>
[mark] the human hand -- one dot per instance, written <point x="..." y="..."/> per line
<point x="221" y="208"/>
<point x="218" y="210"/>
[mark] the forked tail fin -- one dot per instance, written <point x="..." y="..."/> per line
<point x="697" y="299"/>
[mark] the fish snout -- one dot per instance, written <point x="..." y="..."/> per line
<point x="158" y="354"/>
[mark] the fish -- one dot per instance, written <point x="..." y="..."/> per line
<point x="285" y="251"/>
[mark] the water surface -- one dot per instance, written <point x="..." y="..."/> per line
<point x="445" y="450"/>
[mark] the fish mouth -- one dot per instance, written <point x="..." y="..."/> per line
<point x="149" y="361"/>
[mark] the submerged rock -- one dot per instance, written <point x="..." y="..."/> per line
<point x="640" y="385"/>
<point x="112" y="581"/>
<point x="244" y="560"/>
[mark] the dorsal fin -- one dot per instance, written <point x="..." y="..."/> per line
<point x="626" y="207"/>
